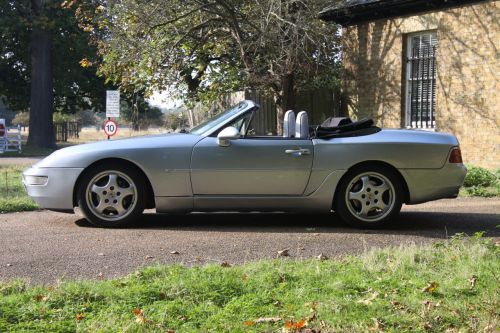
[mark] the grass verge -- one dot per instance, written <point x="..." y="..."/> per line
<point x="28" y="151"/>
<point x="449" y="287"/>
<point x="13" y="196"/>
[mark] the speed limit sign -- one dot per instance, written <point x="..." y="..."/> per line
<point x="110" y="127"/>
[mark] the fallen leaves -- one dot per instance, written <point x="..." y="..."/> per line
<point x="431" y="287"/>
<point x="260" y="320"/>
<point x="284" y="253"/>
<point x="268" y="320"/>
<point x="41" y="298"/>
<point x="85" y="63"/>
<point x="289" y="325"/>
<point x="368" y="300"/>
<point x="377" y="325"/>
<point x="295" y="326"/>
<point x="472" y="281"/>
<point x="139" y="316"/>
<point x="321" y="257"/>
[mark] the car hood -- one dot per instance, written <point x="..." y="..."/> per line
<point x="84" y="154"/>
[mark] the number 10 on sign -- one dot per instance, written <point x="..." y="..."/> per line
<point x="110" y="128"/>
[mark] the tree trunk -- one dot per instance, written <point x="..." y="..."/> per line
<point x="42" y="91"/>
<point x="285" y="100"/>
<point x="191" y="118"/>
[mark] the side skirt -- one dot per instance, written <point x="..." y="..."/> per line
<point x="320" y="201"/>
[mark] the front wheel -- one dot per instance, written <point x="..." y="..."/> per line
<point x="369" y="196"/>
<point x="111" y="195"/>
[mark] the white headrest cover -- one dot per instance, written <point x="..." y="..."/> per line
<point x="289" y="124"/>
<point x="302" y="126"/>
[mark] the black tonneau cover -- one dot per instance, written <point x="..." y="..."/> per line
<point x="343" y="127"/>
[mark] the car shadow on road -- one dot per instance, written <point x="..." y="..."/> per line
<point x="442" y="224"/>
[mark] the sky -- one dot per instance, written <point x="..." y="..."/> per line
<point x="162" y="100"/>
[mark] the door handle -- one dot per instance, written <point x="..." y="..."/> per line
<point x="298" y="152"/>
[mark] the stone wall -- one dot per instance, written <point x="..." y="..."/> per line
<point x="468" y="74"/>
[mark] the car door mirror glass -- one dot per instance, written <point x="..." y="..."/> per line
<point x="226" y="135"/>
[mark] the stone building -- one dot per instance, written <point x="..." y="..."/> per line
<point x="432" y="65"/>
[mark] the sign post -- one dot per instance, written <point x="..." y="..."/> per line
<point x="112" y="111"/>
<point x="3" y="135"/>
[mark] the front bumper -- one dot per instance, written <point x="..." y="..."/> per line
<point x="432" y="184"/>
<point x="57" y="194"/>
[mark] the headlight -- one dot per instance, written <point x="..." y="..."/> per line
<point x="35" y="180"/>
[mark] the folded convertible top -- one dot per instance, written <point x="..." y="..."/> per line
<point x="335" y="127"/>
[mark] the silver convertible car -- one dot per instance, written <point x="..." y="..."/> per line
<point x="361" y="172"/>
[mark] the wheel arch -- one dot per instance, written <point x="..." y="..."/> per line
<point x="150" y="202"/>
<point x="406" y="191"/>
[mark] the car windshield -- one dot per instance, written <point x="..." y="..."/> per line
<point x="218" y="119"/>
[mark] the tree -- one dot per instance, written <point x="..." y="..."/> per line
<point x="139" y="113"/>
<point x="208" y="47"/>
<point x="46" y="64"/>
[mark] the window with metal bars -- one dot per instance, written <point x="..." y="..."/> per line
<point x="421" y="80"/>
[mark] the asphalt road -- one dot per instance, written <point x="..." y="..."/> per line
<point x="45" y="247"/>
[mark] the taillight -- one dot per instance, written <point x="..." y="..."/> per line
<point x="455" y="155"/>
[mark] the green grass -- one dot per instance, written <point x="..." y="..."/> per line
<point x="13" y="196"/>
<point x="380" y="290"/>
<point x="28" y="151"/>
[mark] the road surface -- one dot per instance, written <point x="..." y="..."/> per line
<point x="45" y="247"/>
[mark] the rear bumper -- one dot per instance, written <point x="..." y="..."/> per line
<point x="432" y="184"/>
<point x="57" y="194"/>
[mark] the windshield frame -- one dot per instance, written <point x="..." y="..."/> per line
<point x="219" y="121"/>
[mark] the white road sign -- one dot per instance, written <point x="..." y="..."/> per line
<point x="112" y="103"/>
<point x="2" y="128"/>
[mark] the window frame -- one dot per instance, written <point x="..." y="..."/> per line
<point x="408" y="123"/>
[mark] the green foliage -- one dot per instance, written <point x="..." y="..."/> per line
<point x="59" y="117"/>
<point x="485" y="192"/>
<point x="176" y="120"/>
<point x="205" y="49"/>
<point x="477" y="176"/>
<point x="86" y="118"/>
<point x="21" y="118"/>
<point x="75" y="87"/>
<point x="481" y="182"/>
<point x="140" y="114"/>
<point x="13" y="196"/>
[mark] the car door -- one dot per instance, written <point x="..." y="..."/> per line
<point x="254" y="166"/>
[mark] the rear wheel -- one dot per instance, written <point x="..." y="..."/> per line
<point x="369" y="196"/>
<point x="112" y="195"/>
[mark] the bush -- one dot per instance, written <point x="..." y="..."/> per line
<point x="21" y="118"/>
<point x="59" y="117"/>
<point x="477" y="176"/>
<point x="86" y="117"/>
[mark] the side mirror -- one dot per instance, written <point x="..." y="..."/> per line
<point x="226" y="135"/>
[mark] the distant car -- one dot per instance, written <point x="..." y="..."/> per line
<point x="356" y="169"/>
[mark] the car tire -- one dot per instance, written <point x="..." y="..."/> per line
<point x="369" y="196"/>
<point x="112" y="195"/>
